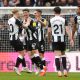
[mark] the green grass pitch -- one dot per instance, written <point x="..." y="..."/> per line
<point x="32" y="76"/>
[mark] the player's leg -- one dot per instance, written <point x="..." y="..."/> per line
<point x="30" y="49"/>
<point x="64" y="63"/>
<point x="24" y="67"/>
<point x="36" y="56"/>
<point x="38" y="62"/>
<point x="33" y="52"/>
<point x="19" y="48"/>
<point x="41" y="52"/>
<point x="34" y="64"/>
<point x="63" y="57"/>
<point x="58" y="62"/>
<point x="21" y="59"/>
<point x="57" y="53"/>
<point x="30" y="53"/>
<point x="18" y="61"/>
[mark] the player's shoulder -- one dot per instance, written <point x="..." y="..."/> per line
<point x="11" y="19"/>
<point x="60" y="17"/>
<point x="57" y="18"/>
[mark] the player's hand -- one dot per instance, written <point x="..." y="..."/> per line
<point x="38" y="19"/>
<point x="29" y="19"/>
<point x="27" y="23"/>
<point x="72" y="43"/>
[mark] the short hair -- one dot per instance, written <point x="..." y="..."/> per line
<point x="38" y="10"/>
<point x="15" y="11"/>
<point x="57" y="10"/>
<point x="26" y="10"/>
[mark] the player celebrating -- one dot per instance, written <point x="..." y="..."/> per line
<point x="22" y="37"/>
<point x="77" y="24"/>
<point x="26" y="23"/>
<point x="31" y="29"/>
<point x="57" y="27"/>
<point x="15" y="27"/>
<point x="41" y="23"/>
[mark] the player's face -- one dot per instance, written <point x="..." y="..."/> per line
<point x="26" y="14"/>
<point x="37" y="14"/>
<point x="78" y="10"/>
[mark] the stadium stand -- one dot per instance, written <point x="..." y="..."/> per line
<point x="6" y="3"/>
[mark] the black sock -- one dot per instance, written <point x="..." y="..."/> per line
<point x="57" y="62"/>
<point x="33" y="60"/>
<point x="64" y="62"/>
<point x="43" y="62"/>
<point x="38" y="62"/>
<point x="18" y="61"/>
<point x="23" y="62"/>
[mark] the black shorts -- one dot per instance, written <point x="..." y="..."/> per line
<point x="61" y="46"/>
<point x="41" y="47"/>
<point x="25" y="47"/>
<point x="26" y="44"/>
<point x="32" y="45"/>
<point x="17" y="45"/>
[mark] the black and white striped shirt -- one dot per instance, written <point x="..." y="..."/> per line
<point x="40" y="29"/>
<point x="58" y="24"/>
<point x="14" y="28"/>
<point x="32" y="31"/>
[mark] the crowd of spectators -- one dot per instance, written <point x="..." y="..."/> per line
<point x="24" y="3"/>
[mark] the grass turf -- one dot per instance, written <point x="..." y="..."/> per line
<point x="32" y="76"/>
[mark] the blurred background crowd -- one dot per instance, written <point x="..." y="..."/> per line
<point x="24" y="3"/>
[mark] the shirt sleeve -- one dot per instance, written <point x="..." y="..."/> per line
<point x="75" y="20"/>
<point x="44" y="20"/>
<point x="49" y="24"/>
<point x="31" y="27"/>
<point x="18" y="22"/>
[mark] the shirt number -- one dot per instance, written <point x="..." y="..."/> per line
<point x="58" y="29"/>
